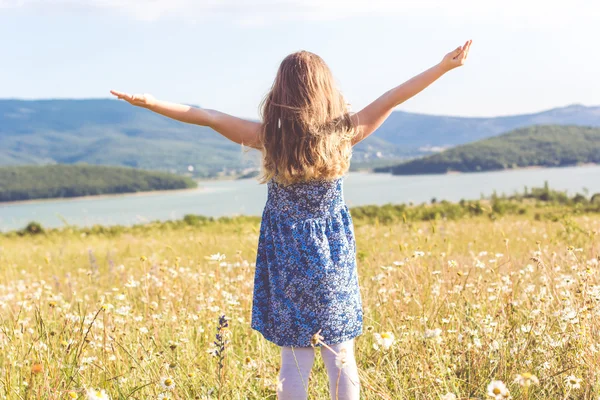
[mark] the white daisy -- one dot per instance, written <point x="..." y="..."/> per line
<point x="94" y="394"/>
<point x="527" y="379"/>
<point x="432" y="333"/>
<point x="384" y="340"/>
<point x="573" y="382"/>
<point x="498" y="390"/>
<point x="167" y="383"/>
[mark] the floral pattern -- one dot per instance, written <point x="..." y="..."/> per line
<point x="306" y="279"/>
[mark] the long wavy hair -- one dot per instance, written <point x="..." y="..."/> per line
<point x="307" y="130"/>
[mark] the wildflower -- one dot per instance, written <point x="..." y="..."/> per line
<point x="167" y="383"/>
<point x="213" y="350"/>
<point x="527" y="379"/>
<point x="384" y="340"/>
<point x="131" y="283"/>
<point x="221" y="341"/>
<point x="498" y="390"/>
<point x="341" y="360"/>
<point x="452" y="264"/>
<point x="525" y="328"/>
<point x="432" y="333"/>
<point x="72" y="395"/>
<point x="449" y="396"/>
<point x="279" y="385"/>
<point x="216" y="257"/>
<point x="37" y="368"/>
<point x="249" y="363"/>
<point x="94" y="394"/>
<point x="316" y="339"/>
<point x="573" y="382"/>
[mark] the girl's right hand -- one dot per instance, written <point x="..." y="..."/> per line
<point x="457" y="57"/>
<point x="140" y="100"/>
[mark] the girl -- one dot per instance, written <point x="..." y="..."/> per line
<point x="306" y="290"/>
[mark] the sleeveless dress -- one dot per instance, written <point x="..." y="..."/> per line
<point x="306" y="278"/>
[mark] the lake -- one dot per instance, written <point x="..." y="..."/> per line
<point x="227" y="198"/>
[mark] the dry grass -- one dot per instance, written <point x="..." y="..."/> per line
<point x="467" y="302"/>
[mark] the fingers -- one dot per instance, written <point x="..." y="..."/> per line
<point x="468" y="47"/>
<point x="123" y="96"/>
<point x="463" y="53"/>
<point x="117" y="93"/>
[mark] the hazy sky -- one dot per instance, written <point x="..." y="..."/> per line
<point x="527" y="55"/>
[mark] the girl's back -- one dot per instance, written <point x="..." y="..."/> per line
<point x="316" y="199"/>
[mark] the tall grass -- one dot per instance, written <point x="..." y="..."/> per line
<point x="466" y="301"/>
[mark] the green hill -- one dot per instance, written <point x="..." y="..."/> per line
<point x="543" y="145"/>
<point x="110" y="132"/>
<point x="35" y="182"/>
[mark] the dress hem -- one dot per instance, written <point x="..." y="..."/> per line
<point x="337" y="340"/>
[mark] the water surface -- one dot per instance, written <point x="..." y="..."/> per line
<point x="227" y="198"/>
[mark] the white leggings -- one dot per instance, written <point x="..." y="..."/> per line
<point x="297" y="362"/>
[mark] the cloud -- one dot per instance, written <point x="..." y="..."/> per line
<point x="262" y="11"/>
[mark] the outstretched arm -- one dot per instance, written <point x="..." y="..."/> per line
<point x="372" y="116"/>
<point x="233" y="128"/>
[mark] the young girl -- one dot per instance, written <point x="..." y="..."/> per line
<point x="306" y="289"/>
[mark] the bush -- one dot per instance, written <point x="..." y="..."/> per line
<point x="33" y="228"/>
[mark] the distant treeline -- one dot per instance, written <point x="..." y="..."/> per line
<point x="543" y="145"/>
<point x="52" y="181"/>
<point x="538" y="203"/>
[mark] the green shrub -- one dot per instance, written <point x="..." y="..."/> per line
<point x="33" y="228"/>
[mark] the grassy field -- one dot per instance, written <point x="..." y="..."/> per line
<point x="469" y="301"/>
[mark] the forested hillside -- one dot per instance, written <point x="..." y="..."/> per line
<point x="43" y="182"/>
<point x="544" y="146"/>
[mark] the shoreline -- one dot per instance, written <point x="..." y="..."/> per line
<point x="103" y="196"/>
<point x="531" y="167"/>
<point x="202" y="188"/>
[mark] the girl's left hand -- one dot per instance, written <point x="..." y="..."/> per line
<point x="140" y="100"/>
<point x="457" y="57"/>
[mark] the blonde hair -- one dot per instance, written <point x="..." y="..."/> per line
<point x="307" y="130"/>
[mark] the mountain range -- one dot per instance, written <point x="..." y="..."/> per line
<point x="111" y="132"/>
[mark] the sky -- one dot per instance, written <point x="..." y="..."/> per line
<point x="527" y="55"/>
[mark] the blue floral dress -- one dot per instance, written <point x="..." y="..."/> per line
<point x="306" y="278"/>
